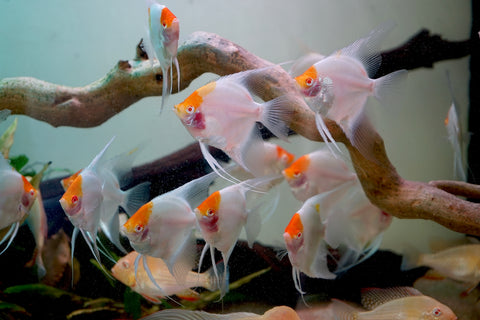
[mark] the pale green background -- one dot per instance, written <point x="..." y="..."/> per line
<point x="76" y="42"/>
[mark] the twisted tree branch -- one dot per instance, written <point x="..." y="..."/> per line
<point x="130" y="81"/>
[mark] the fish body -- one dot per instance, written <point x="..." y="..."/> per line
<point x="276" y="313"/>
<point x="306" y="248"/>
<point x="338" y="86"/>
<point x="402" y="303"/>
<point x="163" y="227"/>
<point x="223" y="215"/>
<point x="223" y="114"/>
<point x="17" y="196"/>
<point x="316" y="172"/>
<point x="461" y="263"/>
<point x="92" y="200"/>
<point x="455" y="136"/>
<point x="139" y="281"/>
<point x="163" y="33"/>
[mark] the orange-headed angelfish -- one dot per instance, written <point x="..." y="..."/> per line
<point x="338" y="86"/>
<point x="93" y="198"/>
<point x="17" y="195"/>
<point x="393" y="303"/>
<point x="303" y="238"/>
<point x="163" y="227"/>
<point x="223" y="215"/>
<point x="316" y="172"/>
<point x="163" y="34"/>
<point x="223" y="114"/>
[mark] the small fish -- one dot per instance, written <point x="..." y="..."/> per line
<point x="456" y="138"/>
<point x="139" y="281"/>
<point x="307" y="251"/>
<point x="460" y="263"/>
<point x="17" y="195"/>
<point x="92" y="200"/>
<point x="163" y="33"/>
<point x="223" y="114"/>
<point x="223" y="215"/>
<point x="316" y="172"/>
<point x="338" y="86"/>
<point x="276" y="313"/>
<point x="402" y="303"/>
<point x="163" y="227"/>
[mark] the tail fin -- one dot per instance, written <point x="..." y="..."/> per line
<point x="275" y="114"/>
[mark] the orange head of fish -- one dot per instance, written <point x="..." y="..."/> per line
<point x="136" y="228"/>
<point x="285" y="157"/>
<point x="295" y="174"/>
<point x="29" y="193"/>
<point x="167" y="19"/>
<point x="189" y="111"/>
<point x="207" y="212"/>
<point x="68" y="181"/>
<point x="293" y="235"/>
<point x="71" y="200"/>
<point x="308" y="82"/>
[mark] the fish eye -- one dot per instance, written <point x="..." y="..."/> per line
<point x="299" y="235"/>
<point x="126" y="265"/>
<point x="437" y="312"/>
<point x="297" y="174"/>
<point x="32" y="192"/>
<point x="309" y="82"/>
<point x="74" y="199"/>
<point x="138" y="228"/>
<point x="210" y="212"/>
<point x="190" y="109"/>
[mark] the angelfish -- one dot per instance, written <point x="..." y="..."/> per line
<point x="17" y="195"/>
<point x="163" y="33"/>
<point x="163" y="227"/>
<point x="223" y="215"/>
<point x="338" y="86"/>
<point x="223" y="114"/>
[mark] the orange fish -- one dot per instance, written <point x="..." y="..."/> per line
<point x="165" y="284"/>
<point x="402" y="303"/>
<point x="223" y="114"/>
<point x="17" y="195"/>
<point x="338" y="86"/>
<point x="163" y="33"/>
<point x="316" y="172"/>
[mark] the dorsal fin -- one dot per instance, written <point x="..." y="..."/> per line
<point x="373" y="297"/>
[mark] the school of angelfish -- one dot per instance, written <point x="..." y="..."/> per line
<point x="335" y="228"/>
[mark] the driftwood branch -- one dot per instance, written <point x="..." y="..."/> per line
<point x="130" y="81"/>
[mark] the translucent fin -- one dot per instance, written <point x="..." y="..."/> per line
<point x="175" y="61"/>
<point x="183" y="261"/>
<point x="182" y="314"/>
<point x="275" y="114"/>
<point x="213" y="163"/>
<point x="362" y="136"/>
<point x="303" y="63"/>
<point x="343" y="311"/>
<point x="136" y="197"/>
<point x="166" y="87"/>
<point x="74" y="238"/>
<point x="111" y="229"/>
<point x="390" y="87"/>
<point x="12" y="232"/>
<point x="195" y="191"/>
<point x="253" y="226"/>
<point x="224" y="283"/>
<point x="99" y="156"/>
<point x="367" y="49"/>
<point x="326" y="135"/>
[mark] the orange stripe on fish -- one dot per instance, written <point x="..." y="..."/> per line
<point x="189" y="110"/>
<point x="286" y="156"/>
<point x="74" y="193"/>
<point x="68" y="181"/>
<point x="308" y="78"/>
<point x="295" y="226"/>
<point x="166" y="18"/>
<point x="140" y="219"/>
<point x="297" y="168"/>
<point x="209" y="207"/>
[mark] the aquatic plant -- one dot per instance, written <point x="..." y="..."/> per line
<point x="132" y="80"/>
